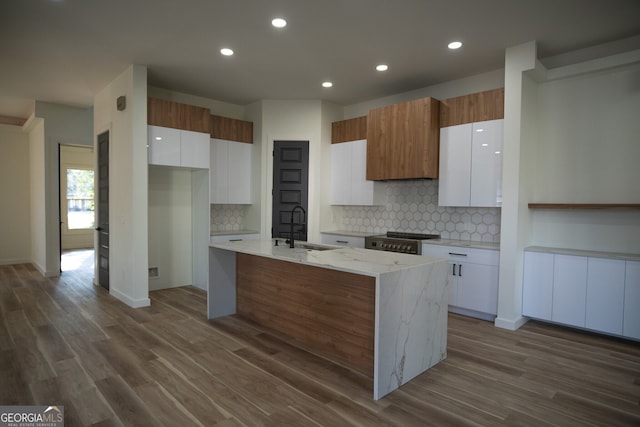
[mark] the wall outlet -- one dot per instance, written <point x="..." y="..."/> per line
<point x="153" y="271"/>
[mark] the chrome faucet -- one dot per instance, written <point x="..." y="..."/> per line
<point x="304" y="218"/>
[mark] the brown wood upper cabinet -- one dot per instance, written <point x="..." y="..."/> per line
<point x="403" y="140"/>
<point x="476" y="107"/>
<point x="349" y="130"/>
<point x="231" y="129"/>
<point x="170" y="114"/>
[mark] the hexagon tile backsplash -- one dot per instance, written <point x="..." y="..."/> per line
<point x="412" y="206"/>
<point x="227" y="217"/>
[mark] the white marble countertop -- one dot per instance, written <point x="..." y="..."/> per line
<point x="444" y="242"/>
<point x="352" y="260"/>
<point x="233" y="232"/>
<point x="580" y="252"/>
<point x="463" y="244"/>
<point x="350" y="233"/>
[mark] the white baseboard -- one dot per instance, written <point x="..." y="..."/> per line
<point x="510" y="324"/>
<point x="131" y="302"/>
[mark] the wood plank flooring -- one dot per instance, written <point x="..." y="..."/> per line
<point x="64" y="341"/>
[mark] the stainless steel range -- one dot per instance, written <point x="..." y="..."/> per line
<point x="393" y="241"/>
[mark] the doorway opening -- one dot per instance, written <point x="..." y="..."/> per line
<point x="290" y="188"/>
<point x="77" y="207"/>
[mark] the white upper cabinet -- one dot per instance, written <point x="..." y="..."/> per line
<point x="471" y="164"/>
<point x="175" y="147"/>
<point x="194" y="150"/>
<point x="164" y="146"/>
<point x="230" y="172"/>
<point x="349" y="185"/>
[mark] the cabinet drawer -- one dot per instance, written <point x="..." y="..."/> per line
<point x="223" y="238"/>
<point x="460" y="254"/>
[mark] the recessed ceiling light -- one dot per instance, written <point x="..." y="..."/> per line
<point x="382" y="67"/>
<point x="455" y="45"/>
<point x="327" y="84"/>
<point x="226" y="51"/>
<point x="158" y="138"/>
<point x="278" y="22"/>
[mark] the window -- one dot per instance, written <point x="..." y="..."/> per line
<point x="80" y="203"/>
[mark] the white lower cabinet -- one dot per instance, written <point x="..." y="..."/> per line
<point x="538" y="294"/>
<point x="631" y="322"/>
<point x="605" y="295"/>
<point x="570" y="290"/>
<point x="600" y="294"/>
<point x="473" y="278"/>
<point x="342" y="240"/>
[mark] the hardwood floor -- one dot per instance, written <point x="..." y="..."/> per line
<point x="67" y="342"/>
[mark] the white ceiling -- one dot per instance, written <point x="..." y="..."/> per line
<point x="66" y="51"/>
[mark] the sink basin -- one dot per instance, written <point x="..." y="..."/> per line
<point x="313" y="246"/>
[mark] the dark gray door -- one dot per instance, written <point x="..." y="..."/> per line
<point x="290" y="187"/>
<point x="103" y="210"/>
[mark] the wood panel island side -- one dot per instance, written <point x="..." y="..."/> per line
<point x="381" y="313"/>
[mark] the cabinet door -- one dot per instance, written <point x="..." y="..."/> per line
<point x="605" y="295"/>
<point x="486" y="163"/>
<point x="341" y="173"/>
<point x="164" y="146"/>
<point x="569" y="290"/>
<point x="218" y="172"/>
<point x="631" y="326"/>
<point x="194" y="149"/>
<point x="240" y="173"/>
<point x="478" y="287"/>
<point x="537" y="293"/>
<point x="455" y="166"/>
<point x="361" y="190"/>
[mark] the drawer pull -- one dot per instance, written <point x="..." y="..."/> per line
<point x="457" y="254"/>
<point x="346" y="242"/>
<point x="235" y="240"/>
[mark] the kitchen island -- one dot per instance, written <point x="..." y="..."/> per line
<point x="381" y="313"/>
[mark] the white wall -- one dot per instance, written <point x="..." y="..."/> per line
<point x="587" y="151"/>
<point x="37" y="190"/>
<point x="514" y="221"/>
<point x="170" y="226"/>
<point x="128" y="186"/>
<point x="15" y="224"/>
<point x="61" y="125"/>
